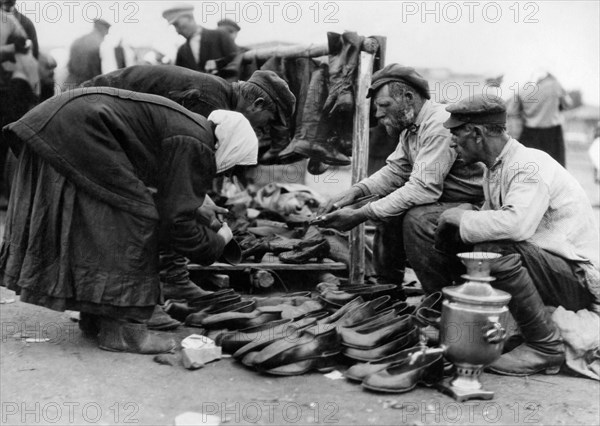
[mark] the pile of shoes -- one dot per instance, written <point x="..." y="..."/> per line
<point x="393" y="368"/>
<point x="335" y="296"/>
<point x="302" y="250"/>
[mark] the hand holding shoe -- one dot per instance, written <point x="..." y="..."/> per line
<point x="340" y="200"/>
<point x="342" y="220"/>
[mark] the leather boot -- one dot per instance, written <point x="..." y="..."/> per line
<point x="344" y="53"/>
<point x="88" y="324"/>
<point x="123" y="336"/>
<point x="310" y="139"/>
<point x="543" y="349"/>
<point x="161" y="321"/>
<point x="316" y="168"/>
<point x="303" y="255"/>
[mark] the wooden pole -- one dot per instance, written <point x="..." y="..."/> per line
<point x="360" y="160"/>
<point x="296" y="51"/>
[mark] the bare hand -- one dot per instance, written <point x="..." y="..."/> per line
<point x="451" y="217"/>
<point x="341" y="200"/>
<point x="342" y="220"/>
<point x="210" y="66"/>
<point x="207" y="215"/>
<point x="225" y="233"/>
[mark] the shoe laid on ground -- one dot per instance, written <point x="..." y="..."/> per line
<point x="525" y="360"/>
<point x="390" y="345"/>
<point x="403" y="376"/>
<point x="358" y="372"/>
<point x="123" y="336"/>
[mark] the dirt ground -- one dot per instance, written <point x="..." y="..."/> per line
<point x="69" y="381"/>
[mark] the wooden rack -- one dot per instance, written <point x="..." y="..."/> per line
<point x="360" y="153"/>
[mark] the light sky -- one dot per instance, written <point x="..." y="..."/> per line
<point x="503" y="37"/>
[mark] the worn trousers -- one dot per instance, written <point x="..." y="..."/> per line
<point x="410" y="237"/>
<point x="559" y="281"/>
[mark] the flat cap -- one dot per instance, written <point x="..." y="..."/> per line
<point x="477" y="109"/>
<point x="229" y="23"/>
<point x="397" y="72"/>
<point x="101" y="22"/>
<point x="277" y="89"/>
<point x="178" y="10"/>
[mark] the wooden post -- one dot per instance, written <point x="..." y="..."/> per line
<point x="360" y="160"/>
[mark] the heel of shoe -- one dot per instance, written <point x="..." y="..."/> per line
<point x="552" y="370"/>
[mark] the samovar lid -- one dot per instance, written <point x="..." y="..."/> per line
<point x="477" y="293"/>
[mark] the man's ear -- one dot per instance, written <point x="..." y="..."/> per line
<point x="409" y="97"/>
<point x="478" y="130"/>
<point x="259" y="103"/>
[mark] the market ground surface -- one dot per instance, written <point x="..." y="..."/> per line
<point x="68" y="380"/>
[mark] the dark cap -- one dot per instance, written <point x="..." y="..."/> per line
<point x="477" y="109"/>
<point x="229" y="23"/>
<point x="101" y="23"/>
<point x="397" y="72"/>
<point x="176" y="11"/>
<point x="277" y="89"/>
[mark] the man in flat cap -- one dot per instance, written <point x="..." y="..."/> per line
<point x="421" y="179"/>
<point x="265" y="100"/>
<point x="205" y="50"/>
<point x="84" y="60"/>
<point x="538" y="217"/>
<point x="230" y="27"/>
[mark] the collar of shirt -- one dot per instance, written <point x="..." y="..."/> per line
<point x="414" y="128"/>
<point x="506" y="151"/>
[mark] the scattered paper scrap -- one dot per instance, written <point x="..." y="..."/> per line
<point x="192" y="419"/>
<point x="196" y="341"/>
<point x="37" y="340"/>
<point x="194" y="359"/>
<point x="7" y="301"/>
<point x="335" y="375"/>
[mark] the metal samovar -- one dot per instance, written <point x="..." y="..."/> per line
<point x="472" y="327"/>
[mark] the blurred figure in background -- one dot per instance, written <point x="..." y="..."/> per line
<point x="539" y="104"/>
<point x="205" y="50"/>
<point x="46" y="66"/>
<point x="9" y="7"/>
<point x="85" y="61"/>
<point x="230" y="27"/>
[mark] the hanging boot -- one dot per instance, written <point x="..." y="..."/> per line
<point x="344" y="54"/>
<point x="543" y="349"/>
<point x="311" y="136"/>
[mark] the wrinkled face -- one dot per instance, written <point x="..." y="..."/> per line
<point x="393" y="112"/>
<point x="464" y="142"/>
<point x="185" y="26"/>
<point x="258" y="116"/>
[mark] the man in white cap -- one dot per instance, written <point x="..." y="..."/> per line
<point x="205" y="50"/>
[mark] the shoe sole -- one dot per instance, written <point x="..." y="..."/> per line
<point x="549" y="371"/>
<point x="388" y="390"/>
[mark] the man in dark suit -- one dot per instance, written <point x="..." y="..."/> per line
<point x="205" y="50"/>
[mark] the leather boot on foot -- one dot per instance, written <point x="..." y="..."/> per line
<point x="88" y="324"/>
<point x="526" y="359"/>
<point x="123" y="336"/>
<point x="186" y="290"/>
<point x="161" y="321"/>
<point x="543" y="349"/>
